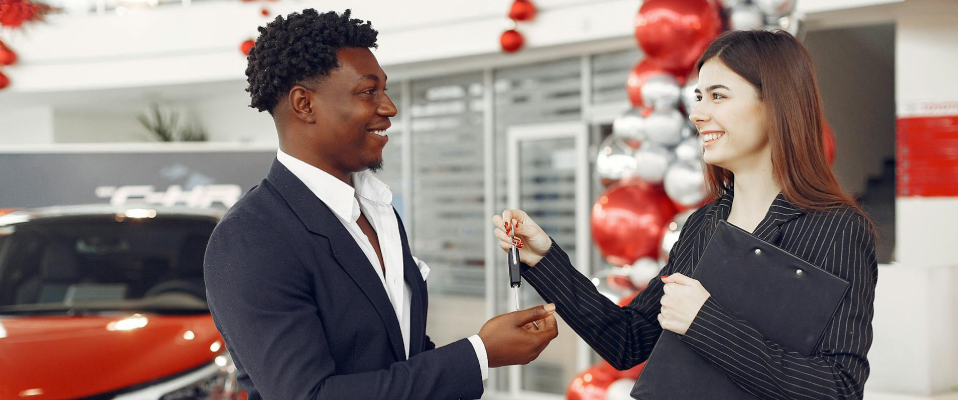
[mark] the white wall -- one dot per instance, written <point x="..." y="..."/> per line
<point x="915" y="351"/>
<point x="98" y="126"/>
<point x="228" y="118"/>
<point x="926" y="71"/>
<point x="30" y="125"/>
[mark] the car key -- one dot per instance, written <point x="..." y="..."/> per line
<point x="515" y="278"/>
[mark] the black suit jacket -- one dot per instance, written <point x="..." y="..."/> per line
<point x="304" y="314"/>
<point x="837" y="240"/>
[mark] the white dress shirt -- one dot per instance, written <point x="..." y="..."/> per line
<point x="373" y="198"/>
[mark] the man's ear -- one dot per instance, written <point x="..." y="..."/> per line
<point x="303" y="102"/>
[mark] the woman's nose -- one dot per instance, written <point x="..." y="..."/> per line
<point x="698" y="114"/>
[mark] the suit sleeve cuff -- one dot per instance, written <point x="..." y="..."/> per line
<point x="481" y="355"/>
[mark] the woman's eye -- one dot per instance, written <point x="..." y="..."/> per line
<point x="698" y="98"/>
<point x="717" y="96"/>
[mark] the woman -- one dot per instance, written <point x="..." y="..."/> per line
<point x="759" y="116"/>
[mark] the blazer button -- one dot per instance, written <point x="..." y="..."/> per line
<point x="758" y="252"/>
<point x="799" y="272"/>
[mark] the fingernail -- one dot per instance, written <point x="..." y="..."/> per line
<point x="550" y="307"/>
<point x="664" y="276"/>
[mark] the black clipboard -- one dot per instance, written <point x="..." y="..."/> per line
<point x="788" y="300"/>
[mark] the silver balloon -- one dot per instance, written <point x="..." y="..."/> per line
<point x="601" y="282"/>
<point x="616" y="160"/>
<point x="665" y="127"/>
<point x="685" y="183"/>
<point x="730" y="3"/>
<point x="621" y="389"/>
<point x="672" y="233"/>
<point x="689" y="130"/>
<point x="652" y="161"/>
<point x="688" y="95"/>
<point x="630" y="127"/>
<point x="745" y="17"/>
<point x="775" y="8"/>
<point x="642" y="271"/>
<point x="689" y="151"/>
<point x="661" y="91"/>
<point x="794" y="24"/>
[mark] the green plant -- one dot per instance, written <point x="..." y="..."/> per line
<point x="166" y="127"/>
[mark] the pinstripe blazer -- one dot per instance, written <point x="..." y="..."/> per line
<point x="837" y="240"/>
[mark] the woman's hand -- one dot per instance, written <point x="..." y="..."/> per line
<point x="535" y="242"/>
<point x="683" y="299"/>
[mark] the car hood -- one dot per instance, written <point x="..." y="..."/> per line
<point x="59" y="357"/>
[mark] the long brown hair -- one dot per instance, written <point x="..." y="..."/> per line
<point x="781" y="71"/>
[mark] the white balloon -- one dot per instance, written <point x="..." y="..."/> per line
<point x="620" y="390"/>
<point x="776" y="8"/>
<point x="665" y="127"/>
<point x="690" y="150"/>
<point x="615" y="160"/>
<point x="642" y="271"/>
<point x="685" y="183"/>
<point x="630" y="127"/>
<point x="652" y="161"/>
<point x="688" y="95"/>
<point x="661" y="91"/>
<point x="746" y="16"/>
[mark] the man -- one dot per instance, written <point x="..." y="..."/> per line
<point x="309" y="276"/>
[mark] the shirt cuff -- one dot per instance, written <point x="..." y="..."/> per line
<point x="481" y="355"/>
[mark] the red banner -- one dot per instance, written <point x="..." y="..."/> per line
<point x="927" y="156"/>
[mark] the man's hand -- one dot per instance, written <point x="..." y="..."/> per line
<point x="683" y="299"/>
<point x="535" y="242"/>
<point x="512" y="339"/>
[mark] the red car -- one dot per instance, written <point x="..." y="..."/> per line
<point x="100" y="302"/>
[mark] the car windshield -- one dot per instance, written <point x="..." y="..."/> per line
<point x="104" y="263"/>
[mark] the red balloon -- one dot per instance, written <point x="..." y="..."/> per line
<point x="640" y="73"/>
<point x="247" y="46"/>
<point x="620" y="282"/>
<point x="522" y="10"/>
<point x="628" y="299"/>
<point x="676" y="33"/>
<point x="590" y="384"/>
<point x="7" y="56"/>
<point x="4" y="81"/>
<point x="631" y="373"/>
<point x="829" y="140"/>
<point x="628" y="221"/>
<point x="511" y="41"/>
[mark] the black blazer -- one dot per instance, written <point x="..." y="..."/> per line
<point x="836" y="240"/>
<point x="304" y="314"/>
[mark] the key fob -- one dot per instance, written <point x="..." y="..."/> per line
<point x="514" y="271"/>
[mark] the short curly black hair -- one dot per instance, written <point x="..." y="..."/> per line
<point x="300" y="47"/>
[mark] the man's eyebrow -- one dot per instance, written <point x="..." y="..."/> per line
<point x="372" y="77"/>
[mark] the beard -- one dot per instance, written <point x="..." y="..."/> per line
<point x="375" y="166"/>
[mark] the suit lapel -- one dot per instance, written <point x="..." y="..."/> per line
<point x="780" y="212"/>
<point x="769" y="230"/>
<point x="319" y="219"/>
<point x="417" y="294"/>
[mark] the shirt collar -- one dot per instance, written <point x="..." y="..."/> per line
<point x="336" y="194"/>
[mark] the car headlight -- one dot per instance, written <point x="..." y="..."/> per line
<point x="215" y="381"/>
